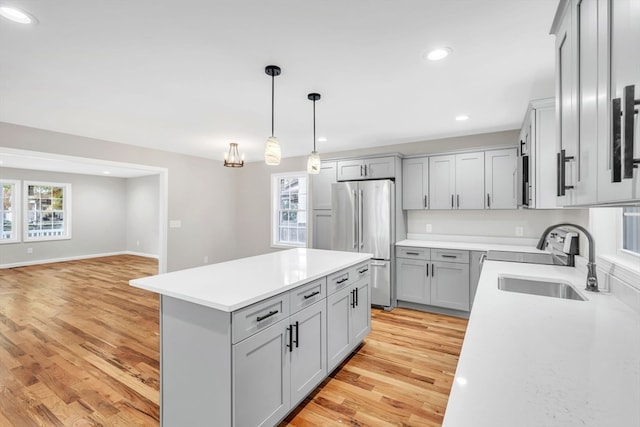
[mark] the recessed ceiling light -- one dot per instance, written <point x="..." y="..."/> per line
<point x="437" y="54"/>
<point x="322" y="139"/>
<point x="16" y="15"/>
<point x="462" y="118"/>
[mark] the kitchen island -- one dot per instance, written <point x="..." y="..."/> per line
<point x="244" y="341"/>
<point x="530" y="360"/>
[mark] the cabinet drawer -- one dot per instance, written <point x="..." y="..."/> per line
<point x="413" y="253"/>
<point x="361" y="271"/>
<point x="249" y="320"/>
<point x="449" y="255"/>
<point x="340" y="280"/>
<point x="308" y="294"/>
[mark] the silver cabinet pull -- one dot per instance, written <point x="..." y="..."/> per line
<point x="360" y="220"/>
<point x="355" y="221"/>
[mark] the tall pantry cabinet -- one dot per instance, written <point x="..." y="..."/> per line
<point x="597" y="93"/>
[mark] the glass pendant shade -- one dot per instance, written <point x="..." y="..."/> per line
<point x="272" y="151"/>
<point x="313" y="163"/>
<point x="232" y="159"/>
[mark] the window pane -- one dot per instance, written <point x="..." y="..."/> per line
<point x="631" y="229"/>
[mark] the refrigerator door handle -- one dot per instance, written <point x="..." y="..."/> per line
<point x="355" y="221"/>
<point x="360" y="227"/>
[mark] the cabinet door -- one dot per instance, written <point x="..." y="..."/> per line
<point x="350" y="169"/>
<point x="470" y="181"/>
<point x="544" y="164"/>
<point x="309" y="355"/>
<point x="413" y="281"/>
<point x="338" y="327"/>
<point x="620" y="58"/>
<point x="450" y="285"/>
<point x="565" y="110"/>
<point x="382" y="167"/>
<point x="321" y="185"/>
<point x="361" y="313"/>
<point x="261" y="377"/>
<point x="322" y="229"/>
<point x="500" y="179"/>
<point x="415" y="183"/>
<point x="442" y="176"/>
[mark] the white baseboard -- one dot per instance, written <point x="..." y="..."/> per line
<point x="72" y="258"/>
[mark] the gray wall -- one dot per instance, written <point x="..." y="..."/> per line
<point x="143" y="219"/>
<point x="98" y="218"/>
<point x="200" y="191"/>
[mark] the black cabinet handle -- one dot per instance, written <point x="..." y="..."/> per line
<point x="364" y="270"/>
<point x="448" y="256"/>
<point x="433" y="270"/>
<point x="427" y="270"/>
<point x="616" y="140"/>
<point x="312" y="294"/>
<point x="413" y="253"/>
<point x="562" y="172"/>
<point x="458" y="201"/>
<point x="488" y="201"/>
<point x="266" y="316"/>
<point x="342" y="280"/>
<point x="522" y="143"/>
<point x="630" y="111"/>
<point x="353" y="299"/>
<point x="289" y="345"/>
<point x="357" y="296"/>
<point x="452" y="201"/>
<point x="297" y="325"/>
<point x="425" y="201"/>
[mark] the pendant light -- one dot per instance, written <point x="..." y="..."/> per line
<point x="272" y="152"/>
<point x="232" y="159"/>
<point x="313" y="163"/>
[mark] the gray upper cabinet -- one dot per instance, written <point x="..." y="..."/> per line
<point x="597" y="85"/>
<point x="457" y="181"/>
<point x="321" y="185"/>
<point x="370" y="168"/>
<point x="500" y="179"/>
<point x="415" y="183"/>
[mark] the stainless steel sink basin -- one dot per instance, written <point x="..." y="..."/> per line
<point x="539" y="287"/>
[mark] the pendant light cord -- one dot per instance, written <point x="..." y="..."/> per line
<point x="272" y="100"/>
<point x="314" y="125"/>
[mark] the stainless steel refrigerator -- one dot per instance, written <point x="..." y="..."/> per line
<point x="364" y="221"/>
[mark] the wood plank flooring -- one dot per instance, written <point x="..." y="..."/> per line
<point x="79" y="347"/>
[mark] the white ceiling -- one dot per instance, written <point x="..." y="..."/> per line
<point x="188" y="76"/>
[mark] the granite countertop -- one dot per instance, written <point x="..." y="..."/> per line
<point x="231" y="285"/>
<point x="537" y="361"/>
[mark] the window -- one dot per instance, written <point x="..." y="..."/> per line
<point x="9" y="211"/>
<point x="289" y="209"/>
<point x="47" y="211"/>
<point x="631" y="229"/>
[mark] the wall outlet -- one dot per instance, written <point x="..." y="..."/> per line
<point x="175" y="223"/>
<point x="519" y="231"/>
<point x="429" y="228"/>
<point x="206" y="259"/>
<point x="29" y="250"/>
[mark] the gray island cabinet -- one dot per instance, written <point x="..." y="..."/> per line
<point x="244" y="342"/>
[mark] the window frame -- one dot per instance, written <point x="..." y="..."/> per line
<point x="625" y="253"/>
<point x="16" y="211"/>
<point x="66" y="209"/>
<point x="275" y="198"/>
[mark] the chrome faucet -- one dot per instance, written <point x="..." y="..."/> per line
<point x="592" y="279"/>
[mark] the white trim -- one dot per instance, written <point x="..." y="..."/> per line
<point x="71" y="258"/>
<point x="16" y="210"/>
<point x="275" y="177"/>
<point x="620" y="269"/>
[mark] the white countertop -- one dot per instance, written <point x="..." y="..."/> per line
<point x="231" y="285"/>
<point x="467" y="246"/>
<point x="539" y="361"/>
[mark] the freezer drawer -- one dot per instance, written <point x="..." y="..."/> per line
<point x="380" y="283"/>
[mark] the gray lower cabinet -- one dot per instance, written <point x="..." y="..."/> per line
<point x="450" y="285"/>
<point x="348" y="320"/>
<point x="433" y="277"/>
<point x="414" y="283"/>
<point x="277" y="367"/>
<point x="475" y="268"/>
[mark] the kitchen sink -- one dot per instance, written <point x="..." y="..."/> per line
<point x="539" y="287"/>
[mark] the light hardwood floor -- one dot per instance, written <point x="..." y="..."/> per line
<point x="79" y="347"/>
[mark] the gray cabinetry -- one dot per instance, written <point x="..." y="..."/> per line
<point x="500" y="179"/>
<point x="415" y="179"/>
<point x="348" y="319"/>
<point x="370" y="168"/>
<point x="475" y="268"/>
<point x="433" y="277"/>
<point x="322" y="229"/>
<point x="457" y="181"/>
<point x="321" y="185"/>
